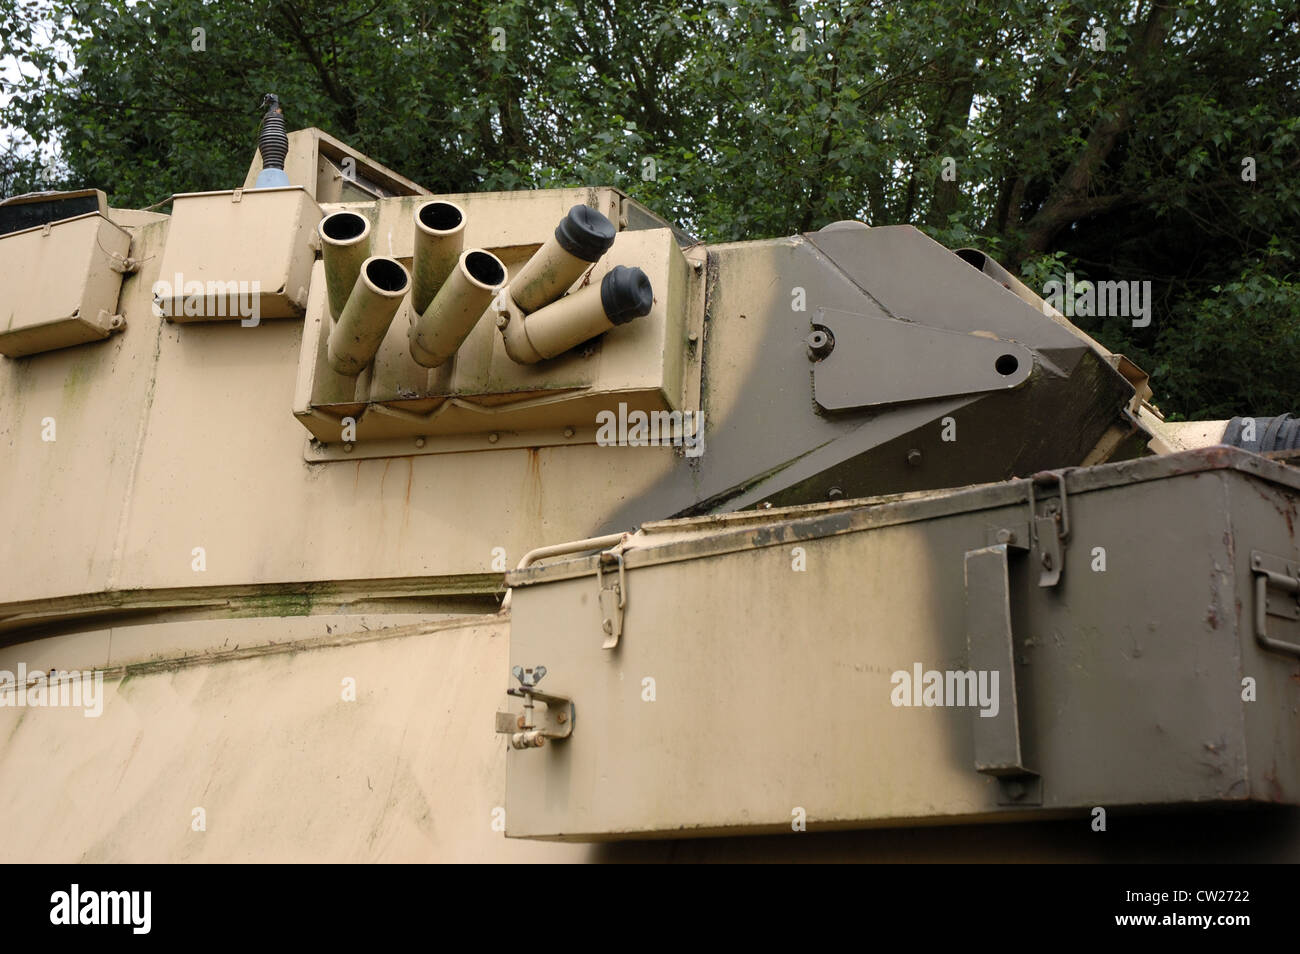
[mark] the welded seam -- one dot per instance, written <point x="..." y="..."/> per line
<point x="119" y="541"/>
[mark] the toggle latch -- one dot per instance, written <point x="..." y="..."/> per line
<point x="1048" y="533"/>
<point x="613" y="597"/>
<point x="531" y="729"/>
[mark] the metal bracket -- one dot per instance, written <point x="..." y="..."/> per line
<point x="857" y="365"/>
<point x="1049" y="532"/>
<point x="990" y="647"/>
<point x="531" y="729"/>
<point x="236" y="195"/>
<point x="1272" y="571"/>
<point x="613" y="598"/>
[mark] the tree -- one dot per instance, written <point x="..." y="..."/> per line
<point x="1138" y="140"/>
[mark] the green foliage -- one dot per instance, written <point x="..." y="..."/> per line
<point x="1240" y="339"/>
<point x="1122" y="159"/>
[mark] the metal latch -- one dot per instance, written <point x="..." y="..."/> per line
<point x="1280" y="574"/>
<point x="1048" y="533"/>
<point x="613" y="597"/>
<point x="525" y="731"/>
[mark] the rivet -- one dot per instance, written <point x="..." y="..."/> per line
<point x="493" y="438"/>
<point x="569" y="432"/>
<point x="347" y="448"/>
<point x="419" y="442"/>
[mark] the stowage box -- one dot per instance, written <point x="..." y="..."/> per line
<point x="1114" y="636"/>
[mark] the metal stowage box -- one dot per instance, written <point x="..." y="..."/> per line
<point x="774" y="668"/>
<point x="60" y="284"/>
<point x="265" y="253"/>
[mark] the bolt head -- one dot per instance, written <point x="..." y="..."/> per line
<point x="914" y="457"/>
<point x="502" y="320"/>
<point x="834" y="493"/>
<point x="419" y="442"/>
<point x="569" y="432"/>
<point x="820" y="343"/>
<point x="347" y="448"/>
<point x="562" y="717"/>
<point x="493" y="438"/>
<point x="520" y="722"/>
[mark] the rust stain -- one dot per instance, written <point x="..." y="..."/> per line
<point x="1275" y="792"/>
<point x="357" y="478"/>
<point x="1284" y="504"/>
<point x="410" y="476"/>
<point x="533" y="483"/>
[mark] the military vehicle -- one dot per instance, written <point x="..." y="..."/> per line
<point x="344" y="521"/>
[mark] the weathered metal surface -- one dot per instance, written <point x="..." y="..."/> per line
<point x="173" y="536"/>
<point x="640" y="364"/>
<point x="781" y="700"/>
<point x="61" y="283"/>
<point x="990" y="647"/>
<point x="862" y="368"/>
<point x="266" y="260"/>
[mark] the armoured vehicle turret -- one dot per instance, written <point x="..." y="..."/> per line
<point x="345" y="521"/>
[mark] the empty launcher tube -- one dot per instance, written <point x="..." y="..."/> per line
<point x="345" y="244"/>
<point x="439" y="240"/>
<point x="623" y="294"/>
<point x="581" y="238"/>
<point x="437" y="333"/>
<point x="355" y="338"/>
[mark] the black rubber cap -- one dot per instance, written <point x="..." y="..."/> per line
<point x="625" y="293"/>
<point x="586" y="233"/>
